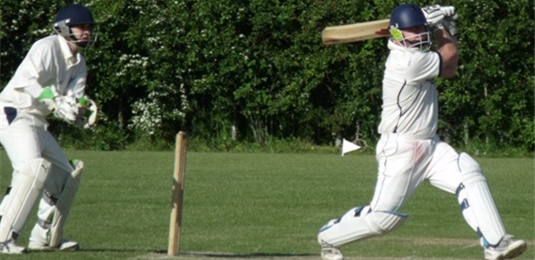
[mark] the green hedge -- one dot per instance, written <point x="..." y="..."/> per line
<point x="230" y="71"/>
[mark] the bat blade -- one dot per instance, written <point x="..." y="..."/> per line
<point x="355" y="32"/>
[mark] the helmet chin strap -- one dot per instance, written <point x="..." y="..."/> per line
<point x="77" y="42"/>
<point x="81" y="44"/>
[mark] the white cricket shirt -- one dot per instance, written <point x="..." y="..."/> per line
<point x="410" y="99"/>
<point x="49" y="63"/>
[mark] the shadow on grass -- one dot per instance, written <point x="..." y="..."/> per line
<point x="228" y="255"/>
<point x="215" y="255"/>
<point x="161" y="254"/>
<point x="92" y="250"/>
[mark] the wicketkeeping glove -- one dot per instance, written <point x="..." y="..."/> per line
<point x="63" y="107"/>
<point x="88" y="111"/>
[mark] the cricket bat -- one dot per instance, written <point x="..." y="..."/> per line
<point x="355" y="32"/>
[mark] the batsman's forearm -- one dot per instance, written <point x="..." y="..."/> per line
<point x="447" y="47"/>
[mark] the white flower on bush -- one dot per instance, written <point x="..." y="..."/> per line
<point x="146" y="115"/>
<point x="149" y="113"/>
<point x="130" y="62"/>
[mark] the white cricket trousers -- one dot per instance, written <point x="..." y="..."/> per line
<point x="26" y="138"/>
<point x="404" y="162"/>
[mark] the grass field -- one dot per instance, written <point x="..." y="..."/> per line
<point x="267" y="206"/>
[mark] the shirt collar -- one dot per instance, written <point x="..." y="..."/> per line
<point x="70" y="58"/>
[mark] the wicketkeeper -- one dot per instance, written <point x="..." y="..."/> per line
<point x="50" y="81"/>
<point x="409" y="151"/>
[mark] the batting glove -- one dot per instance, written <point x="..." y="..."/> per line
<point x="433" y="16"/>
<point x="450" y="25"/>
<point x="448" y="11"/>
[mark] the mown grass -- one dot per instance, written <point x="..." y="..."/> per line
<point x="267" y="205"/>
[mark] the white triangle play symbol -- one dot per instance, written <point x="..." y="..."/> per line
<point x="348" y="146"/>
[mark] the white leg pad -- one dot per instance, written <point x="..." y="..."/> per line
<point x="64" y="204"/>
<point x="466" y="210"/>
<point x="53" y="212"/>
<point x="360" y="226"/>
<point x="26" y="188"/>
<point x="480" y="200"/>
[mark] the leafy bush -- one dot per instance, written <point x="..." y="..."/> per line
<point x="231" y="72"/>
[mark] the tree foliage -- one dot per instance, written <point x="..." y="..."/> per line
<point x="255" y="71"/>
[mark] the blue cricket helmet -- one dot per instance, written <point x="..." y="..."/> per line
<point x="74" y="14"/>
<point x="407" y="16"/>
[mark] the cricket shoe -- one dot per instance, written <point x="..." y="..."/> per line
<point x="10" y="247"/>
<point x="64" y="245"/>
<point x="329" y="252"/>
<point x="507" y="248"/>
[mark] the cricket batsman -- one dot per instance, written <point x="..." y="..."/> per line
<point x="50" y="81"/>
<point x="409" y="150"/>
